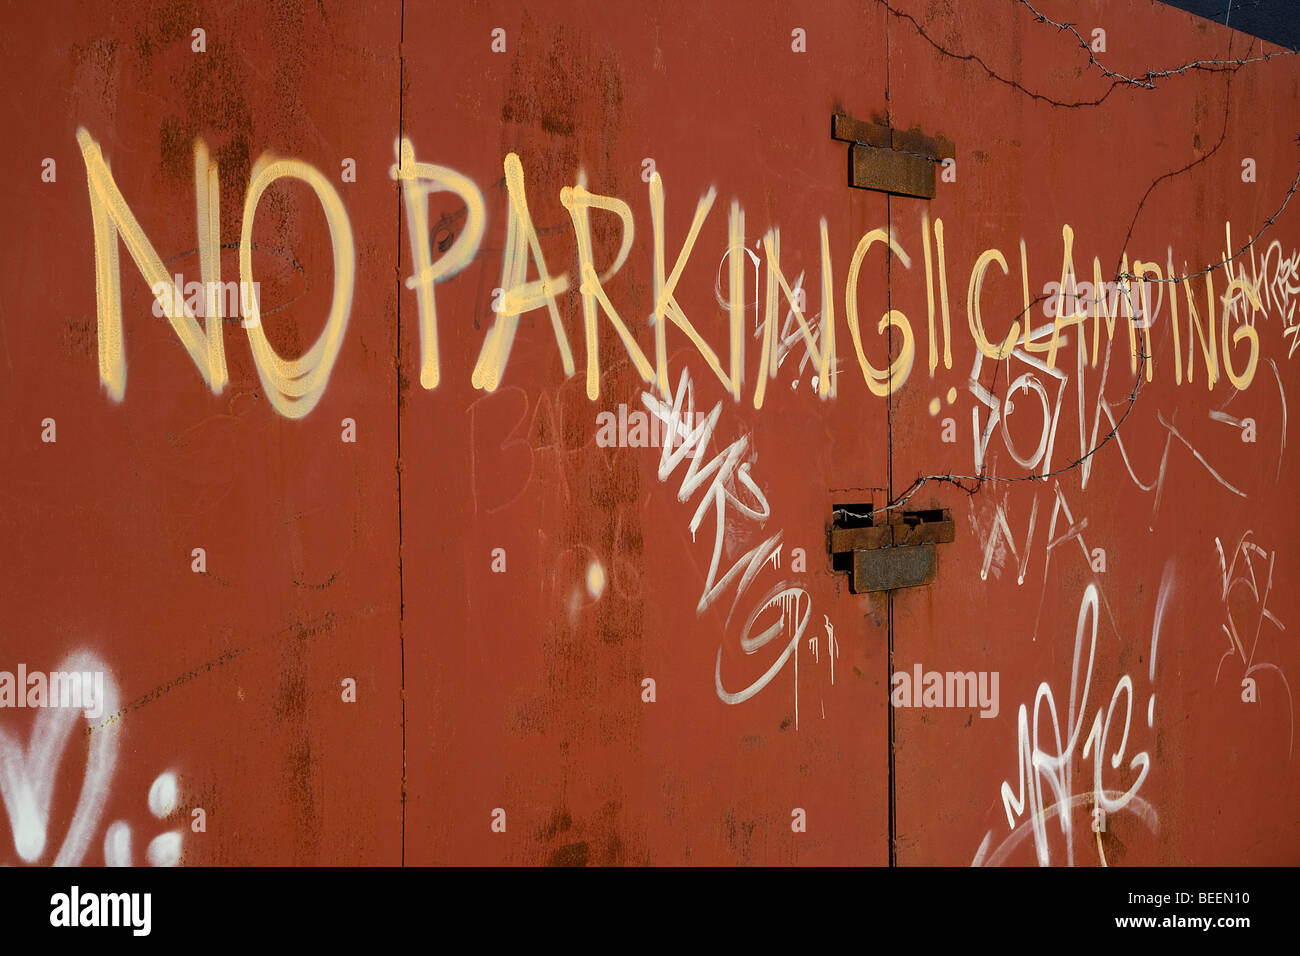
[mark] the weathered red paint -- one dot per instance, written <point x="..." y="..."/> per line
<point x="519" y="690"/>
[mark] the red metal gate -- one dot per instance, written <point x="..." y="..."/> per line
<point x="503" y="529"/>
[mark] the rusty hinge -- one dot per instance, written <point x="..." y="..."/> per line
<point x="890" y="160"/>
<point x="890" y="550"/>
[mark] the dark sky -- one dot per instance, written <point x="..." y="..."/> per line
<point x="1277" y="21"/>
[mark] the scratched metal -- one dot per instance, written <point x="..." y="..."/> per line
<point x="516" y="696"/>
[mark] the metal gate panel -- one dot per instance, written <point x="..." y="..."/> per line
<point x="1163" y="524"/>
<point x="358" y="600"/>
<point x="228" y="681"/>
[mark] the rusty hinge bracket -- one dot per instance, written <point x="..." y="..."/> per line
<point x="890" y="550"/>
<point x="890" y="160"/>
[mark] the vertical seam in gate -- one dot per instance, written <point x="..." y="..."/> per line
<point x="397" y="275"/>
<point x="889" y="595"/>
<point x="889" y="481"/>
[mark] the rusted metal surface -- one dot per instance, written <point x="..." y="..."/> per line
<point x="899" y="162"/>
<point x="503" y="622"/>
<point x="887" y="569"/>
<point x="896" y="528"/>
<point x="891" y="171"/>
<point x="851" y="130"/>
